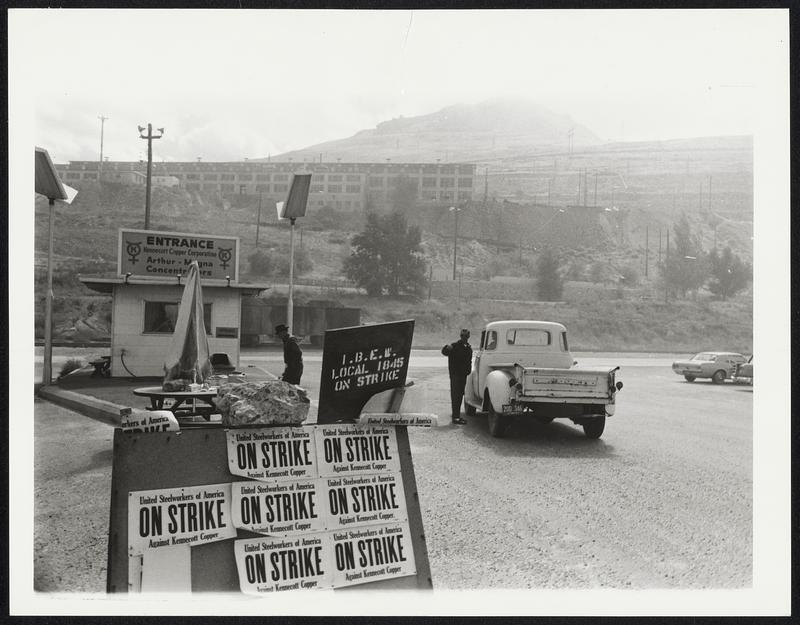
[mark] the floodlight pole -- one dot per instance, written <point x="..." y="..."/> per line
<point x="290" y="302"/>
<point x="47" y="370"/>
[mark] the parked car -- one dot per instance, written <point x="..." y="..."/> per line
<point x="719" y="366"/>
<point x="524" y="370"/>
<point x="744" y="372"/>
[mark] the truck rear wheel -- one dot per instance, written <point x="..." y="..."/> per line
<point x="498" y="423"/>
<point x="594" y="428"/>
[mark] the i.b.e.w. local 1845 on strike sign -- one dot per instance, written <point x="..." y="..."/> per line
<point x="169" y="254"/>
<point x="359" y="362"/>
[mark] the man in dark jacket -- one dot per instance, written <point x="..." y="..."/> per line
<point x="292" y="355"/>
<point x="459" y="363"/>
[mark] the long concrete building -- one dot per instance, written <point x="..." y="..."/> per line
<point x="344" y="186"/>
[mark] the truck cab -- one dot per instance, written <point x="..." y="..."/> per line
<point x="528" y="343"/>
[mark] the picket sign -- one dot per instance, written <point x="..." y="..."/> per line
<point x="174" y="489"/>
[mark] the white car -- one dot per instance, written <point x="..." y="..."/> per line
<point x="719" y="366"/>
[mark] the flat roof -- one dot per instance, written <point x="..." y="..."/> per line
<point x="105" y="284"/>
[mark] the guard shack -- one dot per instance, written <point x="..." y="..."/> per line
<point x="147" y="290"/>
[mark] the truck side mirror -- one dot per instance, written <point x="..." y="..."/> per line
<point x="574" y="362"/>
<point x="619" y="386"/>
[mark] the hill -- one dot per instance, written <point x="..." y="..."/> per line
<point x="459" y="133"/>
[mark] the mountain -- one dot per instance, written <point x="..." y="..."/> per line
<point x="478" y="132"/>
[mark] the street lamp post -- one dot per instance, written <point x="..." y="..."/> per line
<point x="48" y="184"/>
<point x="102" y="119"/>
<point x="149" y="137"/>
<point x="455" y="211"/>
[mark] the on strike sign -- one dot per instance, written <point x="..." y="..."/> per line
<point x="272" y="453"/>
<point x="279" y="507"/>
<point x="359" y="362"/>
<point x="371" y="553"/>
<point x="350" y="449"/>
<point x="270" y="564"/>
<point x="179" y="516"/>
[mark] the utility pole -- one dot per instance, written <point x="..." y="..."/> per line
<point x="258" y="223"/>
<point x="666" y="273"/>
<point x="455" y="238"/>
<point x="659" y="247"/>
<point x="102" y="124"/>
<point x="709" y="194"/>
<point x="585" y="186"/>
<point x="149" y="137"/>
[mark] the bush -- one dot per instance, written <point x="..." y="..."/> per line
<point x="261" y="263"/>
<point x="73" y="364"/>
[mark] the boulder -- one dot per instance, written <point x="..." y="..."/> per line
<point x="274" y="402"/>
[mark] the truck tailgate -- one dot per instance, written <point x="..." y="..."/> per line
<point x="568" y="383"/>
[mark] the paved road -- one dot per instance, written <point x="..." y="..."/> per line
<point x="663" y="500"/>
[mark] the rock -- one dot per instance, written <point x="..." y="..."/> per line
<point x="273" y="402"/>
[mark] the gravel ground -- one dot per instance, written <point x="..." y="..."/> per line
<point x="663" y="500"/>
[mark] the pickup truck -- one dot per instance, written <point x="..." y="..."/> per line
<point x="524" y="369"/>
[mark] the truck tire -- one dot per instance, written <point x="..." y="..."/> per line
<point x="544" y="420"/>
<point x="718" y="377"/>
<point x="689" y="378"/>
<point x="498" y="423"/>
<point x="594" y="428"/>
<point x="469" y="409"/>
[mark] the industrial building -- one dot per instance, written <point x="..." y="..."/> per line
<point x="345" y="186"/>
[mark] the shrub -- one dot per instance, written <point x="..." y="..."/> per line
<point x="261" y="263"/>
<point x="73" y="364"/>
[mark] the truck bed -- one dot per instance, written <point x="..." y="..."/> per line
<point x="558" y="385"/>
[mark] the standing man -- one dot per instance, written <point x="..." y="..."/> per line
<point x="292" y="355"/>
<point x="459" y="363"/>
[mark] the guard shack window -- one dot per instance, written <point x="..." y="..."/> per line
<point x="160" y="317"/>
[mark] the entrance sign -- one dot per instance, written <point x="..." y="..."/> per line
<point x="351" y="449"/>
<point x="371" y="553"/>
<point x="279" y="508"/>
<point x="169" y="254"/>
<point x="359" y="362"/>
<point x="272" y="453"/>
<point x="179" y="516"/>
<point x="267" y="565"/>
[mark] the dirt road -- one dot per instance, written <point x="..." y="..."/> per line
<point x="663" y="500"/>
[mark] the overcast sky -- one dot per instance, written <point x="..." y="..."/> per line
<point x="228" y="85"/>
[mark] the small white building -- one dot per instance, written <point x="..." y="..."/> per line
<point x="147" y="291"/>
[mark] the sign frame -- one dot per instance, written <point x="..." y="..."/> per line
<point x="234" y="260"/>
<point x="197" y="457"/>
<point x="355" y="367"/>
